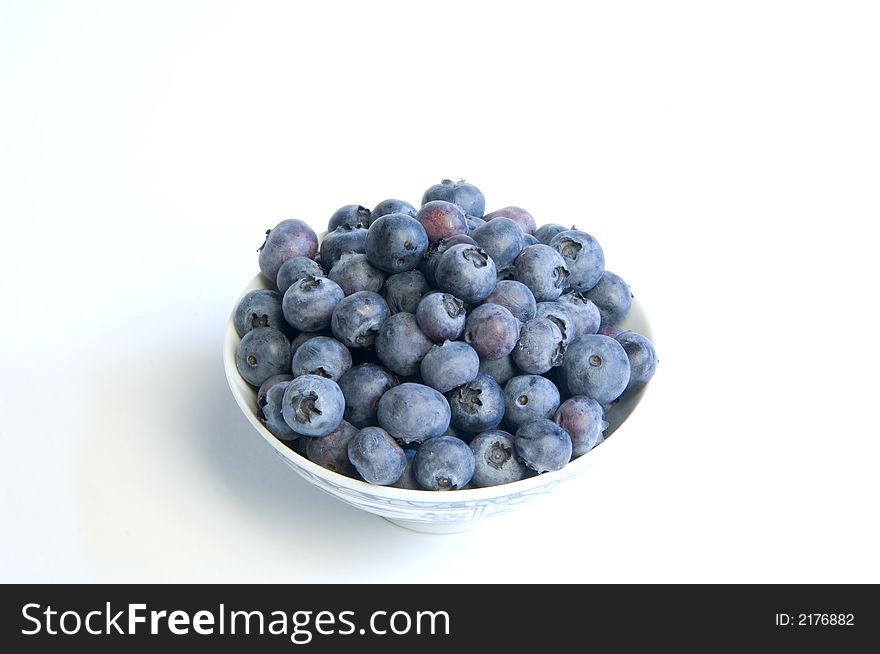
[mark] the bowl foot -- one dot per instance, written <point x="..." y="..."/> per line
<point x="436" y="527"/>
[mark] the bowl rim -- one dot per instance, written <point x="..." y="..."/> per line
<point x="238" y="386"/>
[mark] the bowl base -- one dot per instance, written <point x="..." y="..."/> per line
<point x="435" y="527"/>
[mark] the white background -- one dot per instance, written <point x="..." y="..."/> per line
<point x="726" y="156"/>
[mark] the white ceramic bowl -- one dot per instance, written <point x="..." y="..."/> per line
<point x="421" y="510"/>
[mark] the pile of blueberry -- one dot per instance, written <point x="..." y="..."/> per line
<point x="438" y="348"/>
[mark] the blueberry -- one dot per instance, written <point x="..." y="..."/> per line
<point x="408" y="479"/>
<point x="529" y="239"/>
<point x="321" y="356"/>
<point x="376" y="456"/>
<point x="331" y="451"/>
<point x="527" y="397"/>
<point x="559" y="315"/>
<point x="543" y="445"/>
<point x="309" y="303"/>
<point x="443" y="463"/>
<point x="313" y="405"/>
<point x="515" y="297"/>
<point x="435" y="250"/>
<point x="354" y="272"/>
<point x="467" y="196"/>
<point x="396" y="242"/>
<point x="442" y="220"/>
<point x="501" y="370"/>
<point x="449" y="365"/>
<point x="502" y="239"/>
<point x="584" y="421"/>
<point x="262" y="353"/>
<point x="543" y="270"/>
<point x="363" y="386"/>
<point x="613" y="298"/>
<point x="477" y="405"/>
<point x="264" y="388"/>
<point x="583" y="256"/>
<point x="539" y="348"/>
<point x="473" y="224"/>
<point x="272" y="417"/>
<point x="413" y="413"/>
<point x="467" y="272"/>
<point x="492" y="331"/>
<point x="495" y="459"/>
<point x="259" y="308"/>
<point x="609" y="330"/>
<point x="392" y="205"/>
<point x="401" y="345"/>
<point x="289" y="238"/>
<point x="545" y="233"/>
<point x="357" y="317"/>
<point x="296" y="268"/>
<point x="642" y="358"/>
<point x="441" y="316"/>
<point x="596" y="366"/>
<point x="351" y="215"/>
<point x="403" y="291"/>
<point x="341" y="240"/>
<point x="302" y="337"/>
<point x="583" y="312"/>
<point x="520" y="216"/>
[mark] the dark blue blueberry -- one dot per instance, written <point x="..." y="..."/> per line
<point x="559" y="315"/>
<point x="309" y="303"/>
<point x="495" y="459"/>
<point x="473" y="224"/>
<point x="331" y="451"/>
<point x="363" y="386"/>
<point x="543" y="445"/>
<point x="403" y="291"/>
<point x="289" y="238"/>
<point x="596" y="366"/>
<point x="392" y="205"/>
<point x="583" y="312"/>
<point x="401" y="345"/>
<point x="354" y="272"/>
<point x="262" y="353"/>
<point x="612" y="297"/>
<point x="584" y="421"/>
<point x="351" y="215"/>
<point x="396" y="242"/>
<point x="642" y="358"/>
<point x="259" y="308"/>
<point x="408" y="479"/>
<point x="313" y="405"/>
<point x="515" y="297"/>
<point x="477" y="405"/>
<point x="467" y="272"/>
<point x="272" y="417"/>
<point x="501" y="370"/>
<point x="467" y="196"/>
<point x="520" y="216"/>
<point x="449" y="365"/>
<point x="442" y="220"/>
<point x="583" y="256"/>
<point x="441" y="316"/>
<point x="492" y="331"/>
<point x="527" y="397"/>
<point x="357" y="317"/>
<point x="376" y="456"/>
<point x="321" y="356"/>
<point x="543" y="270"/>
<point x="413" y="413"/>
<point x="443" y="463"/>
<point x="264" y="388"/>
<point x="339" y="241"/>
<point x="296" y="268"/>
<point x="502" y="239"/>
<point x="435" y="250"/>
<point x="545" y="233"/>
<point x="529" y="239"/>
<point x="540" y="347"/>
<point x="305" y="336"/>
